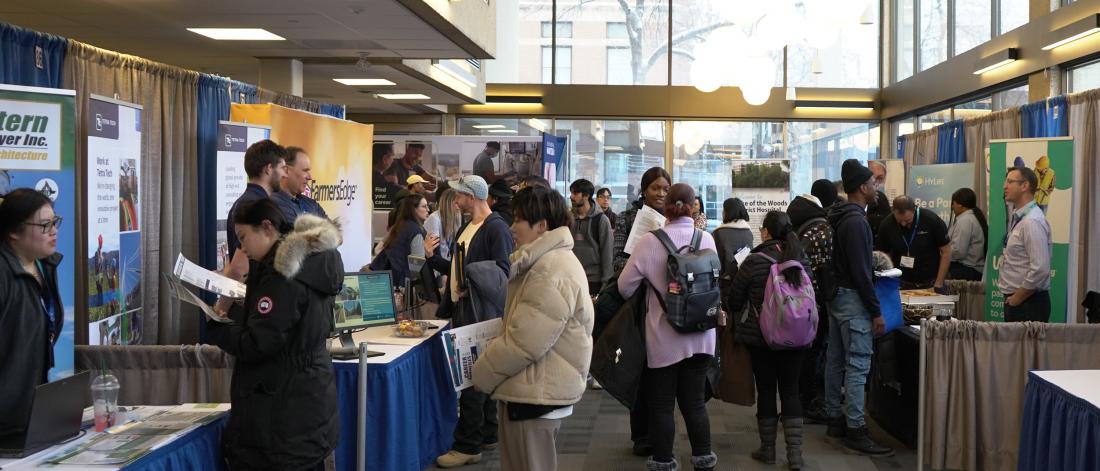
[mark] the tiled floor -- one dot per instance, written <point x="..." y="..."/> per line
<point x="597" y="438"/>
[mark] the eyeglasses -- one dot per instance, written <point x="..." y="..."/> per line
<point x="52" y="224"/>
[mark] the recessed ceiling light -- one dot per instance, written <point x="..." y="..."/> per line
<point x="488" y="126"/>
<point x="403" y="96"/>
<point x="370" y="82"/>
<point x="237" y="34"/>
<point x="503" y="131"/>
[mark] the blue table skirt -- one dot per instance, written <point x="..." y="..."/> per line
<point x="199" y="449"/>
<point x="1060" y="431"/>
<point x="411" y="410"/>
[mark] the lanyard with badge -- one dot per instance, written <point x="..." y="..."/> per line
<point x="908" y="261"/>
<point x="45" y="298"/>
<point x="1016" y="221"/>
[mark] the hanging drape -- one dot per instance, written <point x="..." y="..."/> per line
<point x="920" y="147"/>
<point x="951" y="143"/>
<point x="979" y="131"/>
<point x="974" y="379"/>
<point x="31" y="58"/>
<point x="298" y="103"/>
<point x="240" y="92"/>
<point x="1032" y="119"/>
<point x="1055" y="119"/>
<point x="169" y="174"/>
<point x="1084" y="126"/>
<point x="214" y="98"/>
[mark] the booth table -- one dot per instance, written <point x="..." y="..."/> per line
<point x="199" y="448"/>
<point x="892" y="400"/>
<point x="412" y="408"/>
<point x="1061" y="423"/>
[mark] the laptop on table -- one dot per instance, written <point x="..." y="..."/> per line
<point x="56" y="412"/>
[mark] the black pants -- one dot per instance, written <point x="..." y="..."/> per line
<point x="958" y="271"/>
<point x="639" y="419"/>
<point x="774" y="368"/>
<point x="594" y="288"/>
<point x="683" y="383"/>
<point x="811" y="382"/>
<point x="1035" y="308"/>
<point x="477" y="422"/>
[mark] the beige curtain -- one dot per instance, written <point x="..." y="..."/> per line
<point x="1084" y="126"/>
<point x="974" y="385"/>
<point x="971" y="304"/>
<point x="920" y="148"/>
<point x="169" y="173"/>
<point x="156" y="375"/>
<point x="979" y="131"/>
<point x="264" y="95"/>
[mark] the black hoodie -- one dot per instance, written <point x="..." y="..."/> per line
<point x="852" y="247"/>
<point x="817" y="239"/>
<point x="283" y="390"/>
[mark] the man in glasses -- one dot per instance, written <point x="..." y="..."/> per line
<point x="1025" y="263"/>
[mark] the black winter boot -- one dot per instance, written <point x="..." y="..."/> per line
<point x="652" y="465"/>
<point x="858" y="441"/>
<point x="768" y="429"/>
<point x="792" y="431"/>
<point x="705" y="462"/>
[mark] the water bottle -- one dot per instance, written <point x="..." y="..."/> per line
<point x="105" y="400"/>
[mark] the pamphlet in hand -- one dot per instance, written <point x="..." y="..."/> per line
<point x="199" y="277"/>
<point x="178" y="291"/>
<point x="647" y="220"/>
<point x="741" y="255"/>
<point x="463" y="345"/>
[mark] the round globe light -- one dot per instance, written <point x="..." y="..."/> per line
<point x="704" y="77"/>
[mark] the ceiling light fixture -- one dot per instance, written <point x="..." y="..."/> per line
<point x="403" y="96"/>
<point x="995" y="60"/>
<point x="513" y="100"/>
<point x="503" y="131"/>
<point x="488" y="126"/>
<point x="835" y="104"/>
<point x="452" y="68"/>
<point x="237" y="34"/>
<point x="367" y="82"/>
<point x="1074" y="31"/>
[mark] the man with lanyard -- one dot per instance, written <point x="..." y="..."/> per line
<point x="292" y="200"/>
<point x="918" y="244"/>
<point x="265" y="164"/>
<point x="1025" y="263"/>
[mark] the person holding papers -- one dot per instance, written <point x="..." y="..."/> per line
<point x="732" y="236"/>
<point x="537" y="366"/>
<point x="655" y="184"/>
<point x="283" y="390"/>
<point x="31" y="314"/>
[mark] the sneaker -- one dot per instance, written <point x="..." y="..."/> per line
<point x="454" y="459"/>
<point x="490" y="446"/>
<point x="859" y="442"/>
<point x="594" y="384"/>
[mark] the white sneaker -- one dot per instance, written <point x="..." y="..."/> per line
<point x="595" y="384"/>
<point x="454" y="459"/>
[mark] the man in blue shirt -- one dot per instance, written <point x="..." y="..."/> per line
<point x="292" y="198"/>
<point x="265" y="164"/>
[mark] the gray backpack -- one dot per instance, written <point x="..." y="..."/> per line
<point x="692" y="298"/>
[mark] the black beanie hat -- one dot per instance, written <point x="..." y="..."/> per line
<point x="825" y="191"/>
<point x="854" y="174"/>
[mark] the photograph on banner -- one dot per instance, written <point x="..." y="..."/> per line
<point x="763" y="185"/>
<point x="114" y="224"/>
<point x="452" y="157"/>
<point x="1052" y="161"/>
<point x="234" y="139"/>
<point x="340" y="165"/>
<point x="931" y="186"/>
<point x="893" y="180"/>
<point x="43" y="157"/>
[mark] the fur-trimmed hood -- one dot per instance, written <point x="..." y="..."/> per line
<point x="308" y="254"/>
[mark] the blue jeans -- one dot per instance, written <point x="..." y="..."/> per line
<point x="848" y="360"/>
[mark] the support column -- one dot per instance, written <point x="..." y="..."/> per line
<point x="281" y="75"/>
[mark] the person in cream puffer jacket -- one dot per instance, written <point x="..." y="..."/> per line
<point x="539" y="364"/>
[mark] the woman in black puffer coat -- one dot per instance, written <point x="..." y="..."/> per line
<point x="771" y="368"/>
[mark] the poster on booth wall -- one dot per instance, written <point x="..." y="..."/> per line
<point x="233" y="141"/>
<point x="37" y="150"/>
<point x="451" y="157"/>
<point x="1052" y="160"/>
<point x="931" y="186"/>
<point x="553" y="149"/>
<point x="114" y="222"/>
<point x="763" y="185"/>
<point x="340" y="160"/>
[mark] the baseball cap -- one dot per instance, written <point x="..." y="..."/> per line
<point x="472" y="185"/>
<point x="414" y="179"/>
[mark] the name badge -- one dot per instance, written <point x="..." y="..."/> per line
<point x="908" y="262"/>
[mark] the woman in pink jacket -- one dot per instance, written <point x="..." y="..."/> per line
<point x="677" y="363"/>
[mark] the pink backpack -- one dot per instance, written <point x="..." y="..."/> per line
<point x="788" y="317"/>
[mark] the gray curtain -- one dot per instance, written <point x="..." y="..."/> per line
<point x="155" y="375"/>
<point x="264" y="95"/>
<point x="971" y="304"/>
<point x="168" y="96"/>
<point x="974" y="385"/>
<point x="979" y="131"/>
<point x="1084" y="126"/>
<point x="920" y="147"/>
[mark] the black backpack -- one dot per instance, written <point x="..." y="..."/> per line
<point x="692" y="298"/>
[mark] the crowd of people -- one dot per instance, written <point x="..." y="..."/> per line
<point x="521" y="251"/>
